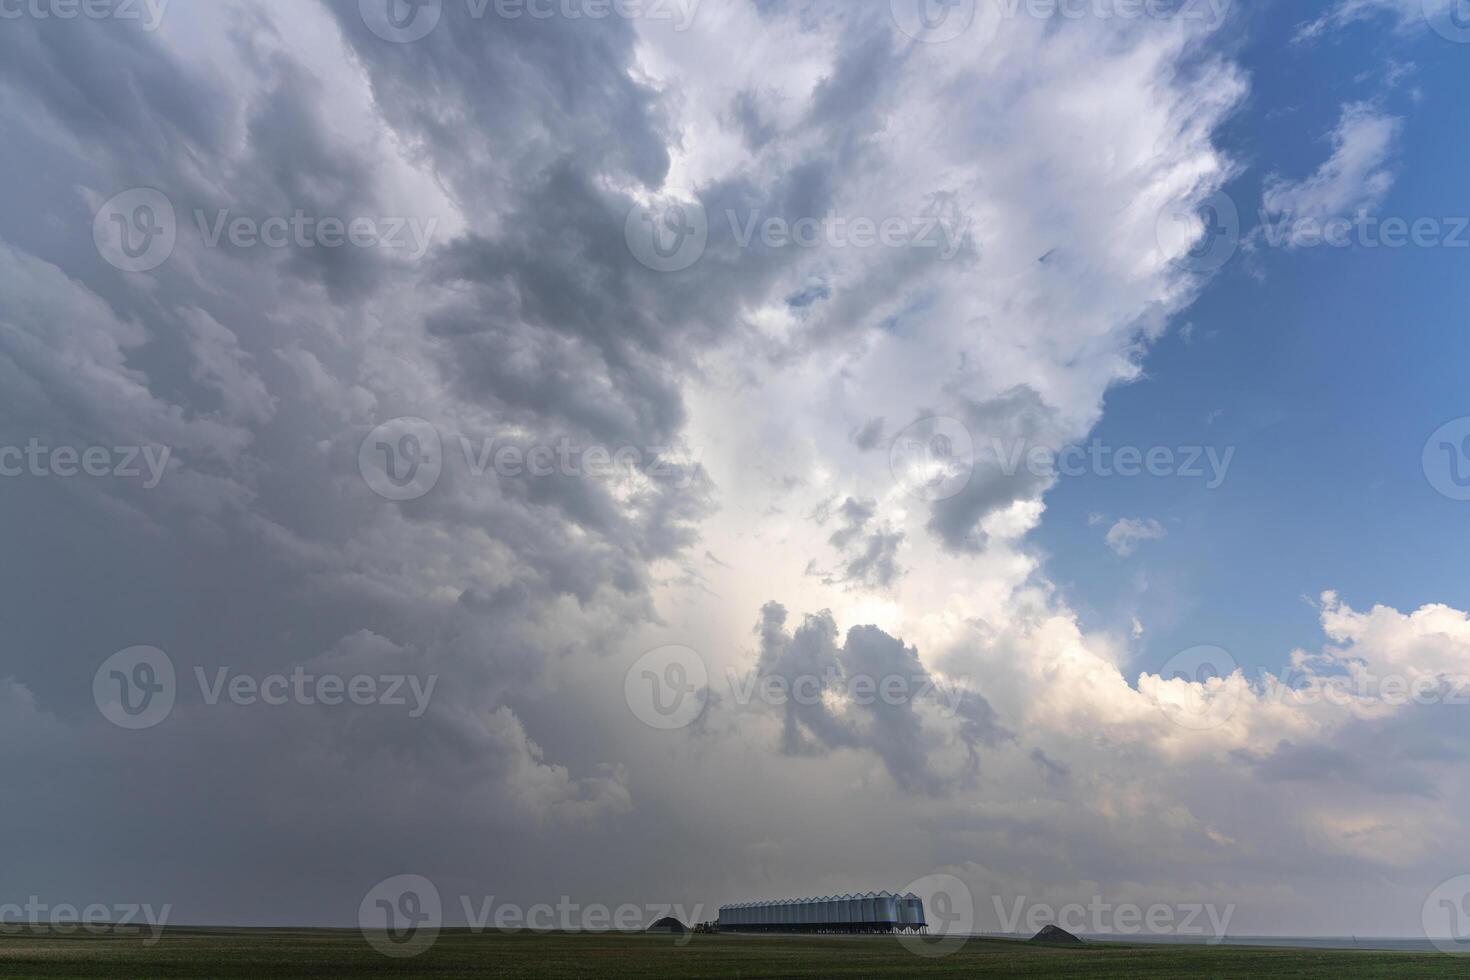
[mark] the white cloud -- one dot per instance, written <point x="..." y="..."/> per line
<point x="1409" y="15"/>
<point x="1126" y="535"/>
<point x="1355" y="178"/>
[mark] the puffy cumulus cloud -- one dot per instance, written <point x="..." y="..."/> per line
<point x="975" y="145"/>
<point x="1332" y="753"/>
<point x="1378" y="668"/>
<point x="1433" y="640"/>
<point x="1354" y="178"/>
<point x="766" y="379"/>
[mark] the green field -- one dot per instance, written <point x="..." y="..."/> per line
<point x="320" y="954"/>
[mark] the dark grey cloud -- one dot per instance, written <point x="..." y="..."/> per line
<point x="263" y="371"/>
<point x="1357" y="759"/>
<point x="1056" y="773"/>
<point x="869" y="435"/>
<point x="1018" y="420"/>
<point x="473" y="89"/>
<point x="876" y="563"/>
<point x="869" y="555"/>
<point x="747" y="112"/>
<point x="855" y="515"/>
<point x="891" y="725"/>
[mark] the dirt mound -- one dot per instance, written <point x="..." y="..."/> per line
<point x="1056" y="937"/>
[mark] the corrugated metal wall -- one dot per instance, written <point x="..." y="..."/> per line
<point x="870" y="912"/>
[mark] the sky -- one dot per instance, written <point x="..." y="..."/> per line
<point x="446" y="440"/>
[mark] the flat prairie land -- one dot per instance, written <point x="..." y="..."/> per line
<point x="304" y="953"/>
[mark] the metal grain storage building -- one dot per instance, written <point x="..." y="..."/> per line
<point x="881" y="912"/>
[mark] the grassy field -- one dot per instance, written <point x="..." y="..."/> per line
<point x="319" y="954"/>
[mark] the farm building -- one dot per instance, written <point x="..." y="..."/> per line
<point x="874" y="912"/>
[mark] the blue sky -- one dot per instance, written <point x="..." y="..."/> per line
<point x="1326" y="368"/>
